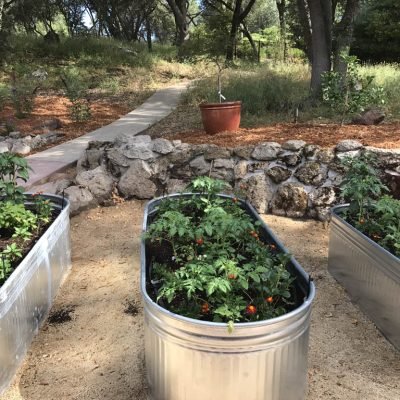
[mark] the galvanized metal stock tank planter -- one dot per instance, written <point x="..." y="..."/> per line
<point x="369" y="273"/>
<point x="188" y="359"/>
<point x="27" y="295"/>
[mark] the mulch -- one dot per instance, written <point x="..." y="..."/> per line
<point x="325" y="135"/>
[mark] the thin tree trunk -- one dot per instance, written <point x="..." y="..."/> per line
<point x="1" y="13"/>
<point x="344" y="35"/>
<point x="306" y="28"/>
<point x="180" y="11"/>
<point x="250" y="39"/>
<point x="281" y="5"/>
<point x="238" y="17"/>
<point x="230" y="48"/>
<point x="321" y="24"/>
<point x="148" y="36"/>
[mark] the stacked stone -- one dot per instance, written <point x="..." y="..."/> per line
<point x="15" y="142"/>
<point x="294" y="179"/>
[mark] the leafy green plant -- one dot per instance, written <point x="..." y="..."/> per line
<point x="371" y="211"/>
<point x="213" y="264"/>
<point x="24" y="88"/>
<point x="43" y="208"/>
<point x="20" y="223"/>
<point x="351" y="92"/>
<point x="361" y="185"/>
<point x="16" y="216"/>
<point x="12" y="168"/>
<point x="77" y="93"/>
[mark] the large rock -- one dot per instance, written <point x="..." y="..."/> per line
<point x="266" y="151"/>
<point x="136" y="181"/>
<point x="325" y="156"/>
<point x="311" y="173"/>
<point x="259" y="190"/>
<point x="126" y="138"/>
<point x="98" y="181"/>
<point x="93" y="156"/>
<point x="15" y="135"/>
<point x="241" y="169"/>
<point x="223" y="163"/>
<point x="162" y="146"/>
<point x="290" y="200"/>
<point x="279" y="174"/>
<point x="294" y="145"/>
<point x="369" y="117"/>
<point x="348" y="145"/>
<point x="243" y="152"/>
<point x="310" y="151"/>
<point x="51" y="123"/>
<point x="323" y="197"/>
<point x="291" y="159"/>
<point x="116" y="158"/>
<point x="37" y="141"/>
<point x="182" y="155"/>
<point x="19" y="147"/>
<point x="135" y="147"/>
<point x="51" y="137"/>
<point x="80" y="198"/>
<point x="141" y="151"/>
<point x="200" y="166"/>
<point x="386" y="159"/>
<point x="4" y="147"/>
<point x="214" y="152"/>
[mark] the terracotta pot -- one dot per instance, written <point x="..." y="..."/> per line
<point x="220" y="117"/>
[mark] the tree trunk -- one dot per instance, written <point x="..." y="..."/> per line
<point x="306" y="28"/>
<point x="321" y="24"/>
<point x="238" y="17"/>
<point x="180" y="11"/>
<point x="148" y="36"/>
<point x="230" y="48"/>
<point x="281" y="5"/>
<point x="343" y="35"/>
<point x="1" y="13"/>
<point x="250" y="39"/>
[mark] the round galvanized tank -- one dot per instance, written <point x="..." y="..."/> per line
<point x="188" y="359"/>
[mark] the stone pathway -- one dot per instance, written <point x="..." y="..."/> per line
<point x="59" y="158"/>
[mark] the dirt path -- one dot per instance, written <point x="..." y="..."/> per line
<point x="99" y="353"/>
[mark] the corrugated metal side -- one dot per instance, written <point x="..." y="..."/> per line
<point x="266" y="363"/>
<point x="187" y="359"/>
<point x="26" y="297"/>
<point x="369" y="273"/>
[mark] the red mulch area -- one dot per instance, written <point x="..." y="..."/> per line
<point x="53" y="106"/>
<point x="326" y="135"/>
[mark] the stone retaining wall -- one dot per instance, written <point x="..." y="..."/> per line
<point x="294" y="179"/>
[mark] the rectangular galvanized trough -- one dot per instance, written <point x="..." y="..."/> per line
<point x="27" y="295"/>
<point x="369" y="273"/>
<point x="188" y="359"/>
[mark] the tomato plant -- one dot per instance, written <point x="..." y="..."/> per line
<point x="372" y="212"/>
<point x="215" y="264"/>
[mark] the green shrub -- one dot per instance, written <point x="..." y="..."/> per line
<point x="352" y="92"/>
<point x="76" y="89"/>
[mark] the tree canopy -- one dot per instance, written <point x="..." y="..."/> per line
<point x="321" y="30"/>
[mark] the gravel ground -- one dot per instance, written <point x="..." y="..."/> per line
<point x="98" y="354"/>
